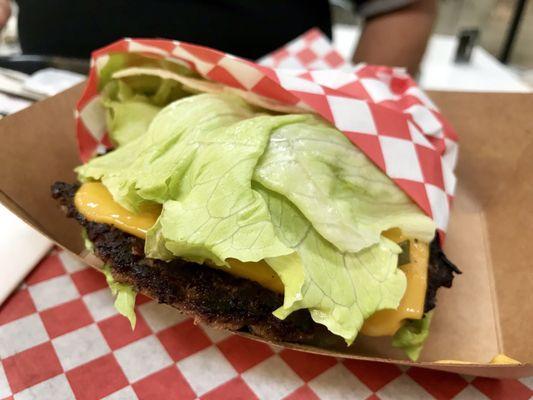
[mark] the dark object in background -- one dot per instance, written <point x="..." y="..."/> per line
<point x="512" y="31"/>
<point x="29" y="64"/>
<point x="245" y="28"/>
<point x="466" y="41"/>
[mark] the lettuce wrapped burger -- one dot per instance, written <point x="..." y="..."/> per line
<point x="251" y="215"/>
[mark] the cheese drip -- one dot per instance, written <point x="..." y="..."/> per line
<point x="95" y="203"/>
<point x="387" y="322"/>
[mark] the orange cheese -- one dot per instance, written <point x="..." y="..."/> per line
<point x="387" y="322"/>
<point x="259" y="272"/>
<point x="94" y="201"/>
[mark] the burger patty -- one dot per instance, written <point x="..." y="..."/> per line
<point x="210" y="295"/>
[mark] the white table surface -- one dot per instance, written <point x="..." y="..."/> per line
<point x="21" y="247"/>
<point x="438" y="71"/>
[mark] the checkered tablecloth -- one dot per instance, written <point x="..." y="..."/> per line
<point x="61" y="338"/>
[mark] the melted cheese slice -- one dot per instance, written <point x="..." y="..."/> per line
<point x="387" y="322"/>
<point x="94" y="201"/>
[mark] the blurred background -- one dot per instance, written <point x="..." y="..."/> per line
<point x="493" y="20"/>
<point x="476" y="45"/>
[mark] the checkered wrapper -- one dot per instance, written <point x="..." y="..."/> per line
<point x="381" y="110"/>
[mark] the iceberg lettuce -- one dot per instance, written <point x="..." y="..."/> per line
<point x="237" y="182"/>
<point x="124" y="296"/>
<point x="348" y="200"/>
<point x="340" y="290"/>
<point x="129" y="113"/>
<point x="412" y="335"/>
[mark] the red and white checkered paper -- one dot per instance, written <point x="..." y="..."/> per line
<point x="381" y="110"/>
<point x="61" y="338"/>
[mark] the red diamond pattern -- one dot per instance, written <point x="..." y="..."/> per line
<point x="391" y="124"/>
<point x="433" y="175"/>
<point x="167" y="384"/>
<point x="303" y="393"/>
<point x="18" y="305"/>
<point x="97" y="378"/>
<point x="117" y="330"/>
<point x="48" y="268"/>
<point x="203" y="53"/>
<point x="88" y="280"/>
<point x="264" y="87"/>
<point x="441" y="385"/>
<point x="65" y="318"/>
<point x="141" y="299"/>
<point x="235" y="389"/>
<point x="314" y="100"/>
<point x="367" y="143"/>
<point x="243" y="353"/>
<point x="31" y="366"/>
<point x="334" y="59"/>
<point x="502" y="389"/>
<point x="183" y="339"/>
<point x="306" y="56"/>
<point x="221" y="75"/>
<point x="87" y="144"/>
<point x="103" y="375"/>
<point x="373" y="375"/>
<point x="307" y="365"/>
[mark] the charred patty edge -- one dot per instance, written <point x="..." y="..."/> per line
<point x="210" y="295"/>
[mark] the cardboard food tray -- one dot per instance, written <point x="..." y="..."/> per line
<point x="489" y="310"/>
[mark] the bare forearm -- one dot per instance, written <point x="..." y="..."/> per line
<point x="398" y="38"/>
<point x="5" y="12"/>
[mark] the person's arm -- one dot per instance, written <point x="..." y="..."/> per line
<point x="5" y="12"/>
<point x="397" y="38"/>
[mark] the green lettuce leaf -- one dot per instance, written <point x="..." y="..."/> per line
<point x="220" y="215"/>
<point x="150" y="167"/>
<point x="340" y="290"/>
<point x="124" y="296"/>
<point x="86" y="241"/>
<point x="128" y="120"/>
<point x="197" y="159"/>
<point x="289" y="189"/>
<point x="131" y="103"/>
<point x="347" y="199"/>
<point x="130" y="108"/>
<point x="412" y="335"/>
